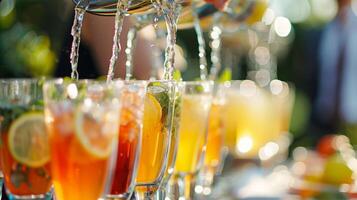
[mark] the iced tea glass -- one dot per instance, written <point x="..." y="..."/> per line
<point x="157" y="129"/>
<point x="24" y="147"/>
<point x="130" y="136"/>
<point x="196" y="104"/>
<point x="82" y="118"/>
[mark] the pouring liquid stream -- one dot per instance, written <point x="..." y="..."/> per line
<point x="170" y="10"/>
<point x="122" y="8"/>
<point x="216" y="45"/>
<point x="129" y="51"/>
<point x="201" y="44"/>
<point x="80" y="10"/>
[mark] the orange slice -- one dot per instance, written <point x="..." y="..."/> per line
<point x="152" y="113"/>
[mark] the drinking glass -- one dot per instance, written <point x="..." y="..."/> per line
<point x="283" y="95"/>
<point x="157" y="130"/>
<point x="82" y="121"/>
<point x="25" y="153"/>
<point x="173" y="145"/>
<point x="130" y="136"/>
<point x="196" y="104"/>
<point x="215" y="152"/>
<point x="250" y="119"/>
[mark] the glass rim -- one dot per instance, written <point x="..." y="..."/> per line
<point x="235" y="82"/>
<point x="12" y="80"/>
<point x="136" y="82"/>
<point x="198" y="82"/>
<point x="60" y="81"/>
<point x="163" y="81"/>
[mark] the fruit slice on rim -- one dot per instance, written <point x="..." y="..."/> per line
<point x="28" y="140"/>
<point x="152" y="113"/>
<point x="96" y="135"/>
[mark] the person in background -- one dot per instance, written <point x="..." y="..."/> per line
<point x="323" y="65"/>
<point x="336" y="103"/>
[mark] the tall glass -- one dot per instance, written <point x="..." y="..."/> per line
<point x="169" y="170"/>
<point x="284" y="97"/>
<point x="157" y="129"/>
<point x="215" y="144"/>
<point x="250" y="119"/>
<point x="130" y="135"/>
<point x="196" y="104"/>
<point x="82" y="120"/>
<point x="24" y="147"/>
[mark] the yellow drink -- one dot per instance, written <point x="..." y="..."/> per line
<point x="154" y="141"/>
<point x="252" y="120"/>
<point x="283" y="97"/>
<point x="193" y="126"/>
<point x="230" y="110"/>
<point x="215" y="136"/>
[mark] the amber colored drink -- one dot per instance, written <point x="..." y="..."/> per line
<point x="24" y="174"/>
<point x="21" y="179"/>
<point x="127" y="147"/>
<point x="215" y="137"/>
<point x="129" y="143"/>
<point x="82" y="119"/>
<point x="193" y="129"/>
<point x="77" y="173"/>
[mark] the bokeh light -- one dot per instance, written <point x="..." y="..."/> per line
<point x="324" y="10"/>
<point x="282" y="26"/>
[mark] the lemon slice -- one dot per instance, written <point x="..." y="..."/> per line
<point x="28" y="140"/>
<point x="152" y="113"/>
<point x="96" y="135"/>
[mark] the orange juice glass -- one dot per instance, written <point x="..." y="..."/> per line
<point x="157" y="129"/>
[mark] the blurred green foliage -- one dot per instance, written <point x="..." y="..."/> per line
<point x="31" y="33"/>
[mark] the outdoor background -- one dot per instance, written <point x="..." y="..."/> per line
<point x="35" y="38"/>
